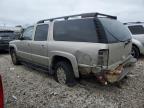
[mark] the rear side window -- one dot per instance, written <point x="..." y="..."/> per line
<point x="137" y="29"/>
<point x="78" y="30"/>
<point x="41" y="32"/>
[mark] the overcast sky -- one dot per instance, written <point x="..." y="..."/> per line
<point x="13" y="12"/>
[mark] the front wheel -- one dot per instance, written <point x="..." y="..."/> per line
<point x="64" y="73"/>
<point x="14" y="58"/>
<point x="135" y="52"/>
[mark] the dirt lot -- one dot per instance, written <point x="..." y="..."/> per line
<point x="28" y="88"/>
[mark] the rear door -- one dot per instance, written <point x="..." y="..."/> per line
<point x="39" y="45"/>
<point x="119" y="41"/>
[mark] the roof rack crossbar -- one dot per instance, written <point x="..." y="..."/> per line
<point x="81" y="15"/>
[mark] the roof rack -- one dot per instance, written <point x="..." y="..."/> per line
<point x="85" y="15"/>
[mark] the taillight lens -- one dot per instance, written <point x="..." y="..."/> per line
<point x="103" y="57"/>
<point x="1" y="94"/>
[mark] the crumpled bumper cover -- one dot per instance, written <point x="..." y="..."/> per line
<point x="121" y="71"/>
<point x="108" y="75"/>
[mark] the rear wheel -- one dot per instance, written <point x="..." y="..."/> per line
<point x="135" y="52"/>
<point x="14" y="58"/>
<point x="64" y="73"/>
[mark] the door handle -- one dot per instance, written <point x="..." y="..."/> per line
<point x="42" y="45"/>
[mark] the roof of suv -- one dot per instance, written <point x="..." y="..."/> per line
<point x="85" y="15"/>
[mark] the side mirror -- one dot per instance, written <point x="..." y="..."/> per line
<point x="21" y="38"/>
<point x="21" y="35"/>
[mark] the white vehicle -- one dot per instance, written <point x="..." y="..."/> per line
<point x="137" y="32"/>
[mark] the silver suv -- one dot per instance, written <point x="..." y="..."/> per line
<point x="71" y="46"/>
<point x="137" y="32"/>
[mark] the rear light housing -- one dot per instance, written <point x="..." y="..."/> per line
<point x="1" y="94"/>
<point x="103" y="57"/>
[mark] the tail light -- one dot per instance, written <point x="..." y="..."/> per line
<point x="103" y="57"/>
<point x="1" y="94"/>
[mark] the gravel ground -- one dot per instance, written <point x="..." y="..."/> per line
<point x="28" y="88"/>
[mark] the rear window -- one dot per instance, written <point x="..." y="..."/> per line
<point x="115" y="30"/>
<point x="137" y="29"/>
<point x="75" y="30"/>
<point x="6" y="33"/>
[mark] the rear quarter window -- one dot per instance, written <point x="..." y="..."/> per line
<point x="78" y="30"/>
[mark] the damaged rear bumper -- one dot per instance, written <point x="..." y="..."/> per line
<point x="121" y="71"/>
<point x="108" y="75"/>
<point x="117" y="74"/>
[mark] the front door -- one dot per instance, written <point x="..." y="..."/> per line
<point x="24" y="49"/>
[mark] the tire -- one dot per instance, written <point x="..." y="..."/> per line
<point x="14" y="58"/>
<point x="64" y="73"/>
<point x="135" y="52"/>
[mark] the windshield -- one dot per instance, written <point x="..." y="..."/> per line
<point x="115" y="30"/>
<point x="137" y="29"/>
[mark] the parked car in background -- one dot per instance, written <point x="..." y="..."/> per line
<point x="137" y="32"/>
<point x="5" y="37"/>
<point x="8" y="34"/>
<point x="71" y="46"/>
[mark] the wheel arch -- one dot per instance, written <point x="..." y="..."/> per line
<point x="136" y="47"/>
<point x="61" y="56"/>
<point x="12" y="47"/>
<point x="137" y="44"/>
